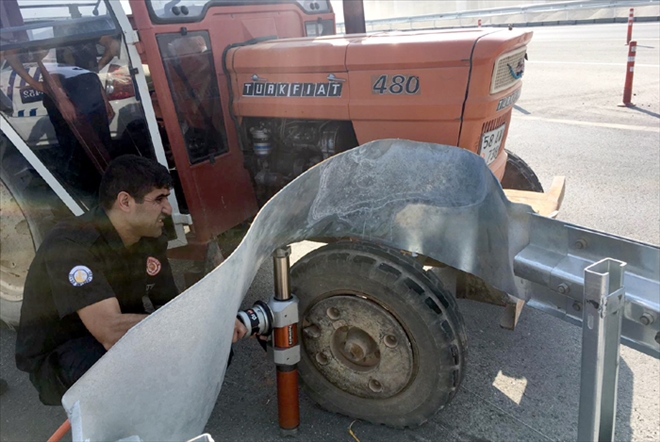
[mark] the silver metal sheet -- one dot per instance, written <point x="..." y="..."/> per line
<point x="161" y="380"/>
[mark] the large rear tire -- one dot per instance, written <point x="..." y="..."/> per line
<point x="16" y="254"/>
<point x="28" y="210"/>
<point x="519" y="176"/>
<point x="382" y="340"/>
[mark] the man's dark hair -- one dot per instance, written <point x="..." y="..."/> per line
<point x="134" y="175"/>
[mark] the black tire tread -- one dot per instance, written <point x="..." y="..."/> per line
<point x="519" y="176"/>
<point x="391" y="267"/>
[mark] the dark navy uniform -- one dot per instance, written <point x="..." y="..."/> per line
<point x="81" y="262"/>
<point x="84" y="91"/>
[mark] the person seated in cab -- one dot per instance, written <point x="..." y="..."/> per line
<point x="77" y="105"/>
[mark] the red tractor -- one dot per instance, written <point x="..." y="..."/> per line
<point x="238" y="99"/>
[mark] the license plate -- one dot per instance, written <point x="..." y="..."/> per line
<point x="30" y="95"/>
<point x="490" y="144"/>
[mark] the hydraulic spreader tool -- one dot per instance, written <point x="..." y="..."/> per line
<point x="279" y="318"/>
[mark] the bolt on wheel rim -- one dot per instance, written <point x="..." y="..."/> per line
<point x="358" y="346"/>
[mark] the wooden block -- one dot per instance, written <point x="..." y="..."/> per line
<point x="547" y="203"/>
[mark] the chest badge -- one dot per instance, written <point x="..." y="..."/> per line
<point x="153" y="266"/>
<point x="80" y="275"/>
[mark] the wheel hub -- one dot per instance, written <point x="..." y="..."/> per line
<point x="358" y="346"/>
<point x="355" y="348"/>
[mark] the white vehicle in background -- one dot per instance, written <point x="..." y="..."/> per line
<point x="24" y="105"/>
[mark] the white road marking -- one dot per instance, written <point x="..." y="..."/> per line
<point x="592" y="63"/>
<point x="591" y="123"/>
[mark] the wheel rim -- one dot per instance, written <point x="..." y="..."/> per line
<point x="358" y="346"/>
<point x="17" y="247"/>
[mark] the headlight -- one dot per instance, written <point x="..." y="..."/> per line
<point x="315" y="6"/>
<point x="319" y="27"/>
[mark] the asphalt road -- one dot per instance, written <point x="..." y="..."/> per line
<point x="521" y="385"/>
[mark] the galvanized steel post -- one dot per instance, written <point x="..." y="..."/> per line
<point x="604" y="298"/>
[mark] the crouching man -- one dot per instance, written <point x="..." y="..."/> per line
<point x="86" y="285"/>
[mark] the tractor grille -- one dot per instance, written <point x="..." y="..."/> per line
<point x="493" y="124"/>
<point x="487" y="127"/>
<point x="502" y="75"/>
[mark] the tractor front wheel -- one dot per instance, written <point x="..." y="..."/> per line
<point x="382" y="340"/>
<point x="519" y="176"/>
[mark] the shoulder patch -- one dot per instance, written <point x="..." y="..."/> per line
<point x="153" y="266"/>
<point x="80" y="275"/>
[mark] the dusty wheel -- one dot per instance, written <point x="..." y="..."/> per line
<point x="518" y="175"/>
<point x="17" y="252"/>
<point x="27" y="212"/>
<point x="381" y="339"/>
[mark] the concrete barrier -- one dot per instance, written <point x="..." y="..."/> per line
<point x="563" y="16"/>
<point x="575" y="17"/>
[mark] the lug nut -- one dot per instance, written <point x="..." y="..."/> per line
<point x="581" y="244"/>
<point x="563" y="288"/>
<point x="375" y="386"/>
<point x="333" y="313"/>
<point x="322" y="358"/>
<point x="646" y="319"/>
<point x="577" y="306"/>
<point x="391" y="341"/>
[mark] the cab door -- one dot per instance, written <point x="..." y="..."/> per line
<point x="185" y="61"/>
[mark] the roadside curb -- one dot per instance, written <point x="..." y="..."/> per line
<point x="572" y="22"/>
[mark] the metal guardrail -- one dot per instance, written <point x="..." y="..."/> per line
<point x="525" y="10"/>
<point x="437" y="201"/>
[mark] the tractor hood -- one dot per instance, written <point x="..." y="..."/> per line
<point x="416" y="82"/>
<point x="357" y="52"/>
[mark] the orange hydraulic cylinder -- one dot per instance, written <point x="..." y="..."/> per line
<point x="286" y="337"/>
<point x="288" y="404"/>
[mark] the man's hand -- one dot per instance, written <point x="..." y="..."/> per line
<point x="38" y="86"/>
<point x="109" y="110"/>
<point x="68" y="110"/>
<point x="239" y="331"/>
<point x="108" y="107"/>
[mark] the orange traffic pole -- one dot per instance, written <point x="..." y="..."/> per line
<point x="60" y="432"/>
<point x="630" y="23"/>
<point x="479" y="22"/>
<point x="630" y="70"/>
